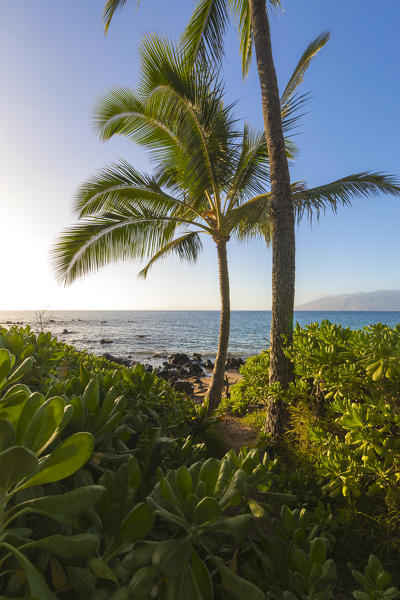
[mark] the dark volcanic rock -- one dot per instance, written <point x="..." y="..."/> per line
<point x="234" y="362"/>
<point x="120" y="361"/>
<point x="184" y="386"/>
<point x="65" y="331"/>
<point x="104" y="341"/>
<point x="208" y="364"/>
<point x="179" y="359"/>
<point x="196" y="357"/>
<point x="195" y="370"/>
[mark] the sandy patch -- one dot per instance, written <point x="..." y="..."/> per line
<point x="200" y="389"/>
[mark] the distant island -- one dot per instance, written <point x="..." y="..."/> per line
<point x="379" y="300"/>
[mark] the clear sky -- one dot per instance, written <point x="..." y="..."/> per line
<point x="56" y="62"/>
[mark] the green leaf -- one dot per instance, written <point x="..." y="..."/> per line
<point x="234" y="526"/>
<point x="16" y="463"/>
<point x="142" y="582"/>
<point x="43" y="424"/>
<point x="21" y="370"/>
<point x="7" y="434"/>
<point x="36" y="582"/>
<point x="91" y="396"/>
<point x="5" y="363"/>
<point x="67" y="458"/>
<point x="71" y="546"/>
<point x="184" y="481"/>
<point x="136" y="525"/>
<point x="102" y="570"/>
<point x="209" y="474"/>
<point x="241" y="588"/>
<point x="70" y="503"/>
<point x="171" y="556"/>
<point x="207" y="509"/>
<point x="202" y="577"/>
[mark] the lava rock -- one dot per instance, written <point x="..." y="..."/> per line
<point x="104" y="341"/>
<point x="208" y="364"/>
<point x="234" y="362"/>
<point x="195" y="370"/>
<point x="65" y="331"/>
<point x="179" y="359"/>
<point x="196" y="357"/>
<point x="117" y="359"/>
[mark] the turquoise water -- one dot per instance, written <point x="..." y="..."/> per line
<point x="141" y="334"/>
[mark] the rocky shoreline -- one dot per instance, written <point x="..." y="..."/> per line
<point x="185" y="373"/>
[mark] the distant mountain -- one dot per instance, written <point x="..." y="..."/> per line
<point x="379" y="300"/>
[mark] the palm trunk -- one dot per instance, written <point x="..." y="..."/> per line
<point x="282" y="214"/>
<point x="217" y="380"/>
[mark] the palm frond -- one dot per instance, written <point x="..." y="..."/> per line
<point x="204" y="34"/>
<point x="110" y="8"/>
<point x="241" y="10"/>
<point x="248" y="215"/>
<point x="291" y="103"/>
<point x="342" y="192"/>
<point x="97" y="241"/>
<point x="121" y="187"/>
<point x="298" y="74"/>
<point x="187" y="247"/>
<point x="252" y="173"/>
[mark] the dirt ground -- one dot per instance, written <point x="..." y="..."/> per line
<point x="200" y="389"/>
<point x="231" y="430"/>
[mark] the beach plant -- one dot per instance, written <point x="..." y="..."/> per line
<point x="21" y="470"/>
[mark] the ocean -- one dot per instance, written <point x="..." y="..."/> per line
<point x="147" y="336"/>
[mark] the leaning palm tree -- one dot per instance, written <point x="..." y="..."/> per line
<point x="203" y="38"/>
<point x="207" y="178"/>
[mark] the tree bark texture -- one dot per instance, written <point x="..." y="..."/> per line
<point x="282" y="210"/>
<point x="217" y="380"/>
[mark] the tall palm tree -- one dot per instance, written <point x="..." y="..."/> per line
<point x="204" y="37"/>
<point x="208" y="178"/>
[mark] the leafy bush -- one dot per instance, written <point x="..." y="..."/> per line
<point x="251" y="392"/>
<point x="106" y="491"/>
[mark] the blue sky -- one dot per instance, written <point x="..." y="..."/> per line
<point x="57" y="62"/>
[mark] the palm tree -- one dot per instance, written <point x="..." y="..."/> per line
<point x="204" y="37"/>
<point x="208" y="178"/>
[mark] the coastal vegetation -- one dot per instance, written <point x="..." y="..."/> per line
<point x="111" y="489"/>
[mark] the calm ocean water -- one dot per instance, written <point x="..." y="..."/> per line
<point x="139" y="334"/>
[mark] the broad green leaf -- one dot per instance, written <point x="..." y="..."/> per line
<point x="71" y="546"/>
<point x="67" y="458"/>
<point x="184" y="481"/>
<point x="234" y="526"/>
<point x="70" y="503"/>
<point x="102" y="570"/>
<point x="43" y="424"/>
<point x="241" y="588"/>
<point x="202" y="577"/>
<point x="5" y="363"/>
<point x="21" y="370"/>
<point x="90" y="396"/>
<point x="136" y="525"/>
<point x="142" y="582"/>
<point x="7" y="435"/>
<point x="32" y="404"/>
<point x="36" y="582"/>
<point x="16" y="463"/>
<point x="209" y="474"/>
<point x="171" y="556"/>
<point x="207" y="509"/>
